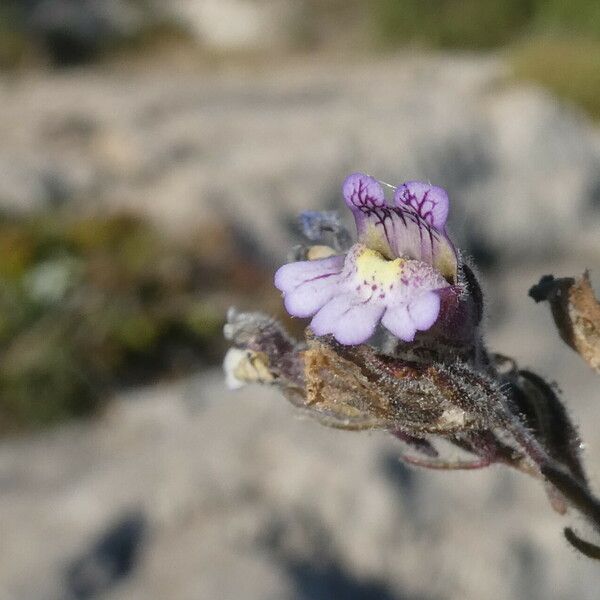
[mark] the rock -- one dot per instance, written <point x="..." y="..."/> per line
<point x="190" y="491"/>
<point x="255" y="147"/>
<point x="545" y="161"/>
<point x="234" y="25"/>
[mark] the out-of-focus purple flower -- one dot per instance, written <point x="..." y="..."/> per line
<point x="394" y="274"/>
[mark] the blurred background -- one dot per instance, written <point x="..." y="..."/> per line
<point x="153" y="157"/>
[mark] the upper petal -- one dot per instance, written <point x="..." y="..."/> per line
<point x="400" y="232"/>
<point x="362" y="191"/>
<point x="430" y="202"/>
<point x="414" y="228"/>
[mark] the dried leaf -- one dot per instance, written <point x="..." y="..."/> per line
<point x="576" y="312"/>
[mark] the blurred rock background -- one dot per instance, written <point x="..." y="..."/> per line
<point x="154" y="155"/>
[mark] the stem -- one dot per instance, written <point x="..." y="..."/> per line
<point x="576" y="492"/>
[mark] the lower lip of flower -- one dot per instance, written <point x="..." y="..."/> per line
<point x="375" y="274"/>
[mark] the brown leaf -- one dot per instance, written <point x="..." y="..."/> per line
<point x="336" y="386"/>
<point x="576" y="312"/>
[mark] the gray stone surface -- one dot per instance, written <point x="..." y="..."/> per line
<point x="256" y="144"/>
<point x="186" y="491"/>
<point x="243" y="499"/>
<point x="234" y="25"/>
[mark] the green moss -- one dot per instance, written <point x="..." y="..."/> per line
<point x="464" y="24"/>
<point x="15" y="45"/>
<point x="204" y="320"/>
<point x="568" y="17"/>
<point x="481" y="24"/>
<point x="40" y="380"/>
<point x="138" y="332"/>
<point x="90" y="304"/>
<point x="568" y="67"/>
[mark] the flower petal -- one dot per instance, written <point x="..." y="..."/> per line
<point x="411" y="229"/>
<point x="398" y="321"/>
<point x="414" y="280"/>
<point x="424" y="310"/>
<point x="307" y="298"/>
<point x="398" y="232"/>
<point x="349" y="322"/>
<point x="430" y="202"/>
<point x="324" y="321"/>
<point x="361" y="191"/>
<point x="290" y="276"/>
<point x="359" y="324"/>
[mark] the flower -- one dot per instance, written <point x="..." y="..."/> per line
<point x="396" y="273"/>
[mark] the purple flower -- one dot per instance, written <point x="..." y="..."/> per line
<point x="395" y="273"/>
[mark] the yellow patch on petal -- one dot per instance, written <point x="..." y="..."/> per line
<point x="370" y="263"/>
<point x="445" y="263"/>
<point x="373" y="238"/>
<point x="444" y="256"/>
